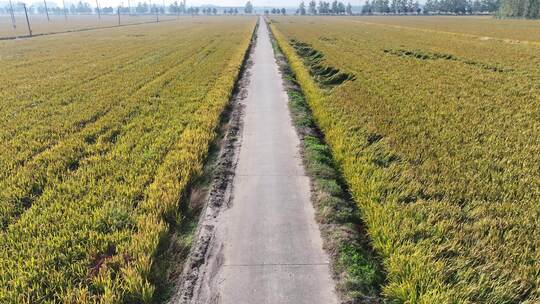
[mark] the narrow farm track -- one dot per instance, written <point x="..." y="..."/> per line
<point x="269" y="248"/>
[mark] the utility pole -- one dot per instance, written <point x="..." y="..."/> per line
<point x="46" y="10"/>
<point x="118" y="11"/>
<point x="97" y="8"/>
<point x="13" y="25"/>
<point x="27" y="21"/>
<point x="129" y="7"/>
<point x="65" y="11"/>
<point x="177" y="10"/>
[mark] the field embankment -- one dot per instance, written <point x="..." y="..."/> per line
<point x="437" y="135"/>
<point x="100" y="140"/>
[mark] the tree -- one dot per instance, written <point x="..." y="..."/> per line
<point x="491" y="5"/>
<point x="312" y="7"/>
<point x="416" y="7"/>
<point x="335" y="9"/>
<point x="520" y="8"/>
<point x="83" y="8"/>
<point x="380" y="6"/>
<point x="324" y="8"/>
<point x="409" y="6"/>
<point x="302" y="9"/>
<point x="349" y="9"/>
<point x="429" y="7"/>
<point x="173" y="8"/>
<point x="142" y="8"/>
<point x="341" y="8"/>
<point x="249" y="8"/>
<point x="367" y="8"/>
<point x="460" y="7"/>
<point x="283" y="11"/>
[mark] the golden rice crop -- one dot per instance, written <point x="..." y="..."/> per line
<point x="101" y="133"/>
<point x="483" y="27"/>
<point x="438" y="137"/>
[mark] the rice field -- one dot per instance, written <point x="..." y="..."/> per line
<point x="483" y="27"/>
<point x="101" y="133"/>
<point x="433" y="122"/>
<point x="435" y="125"/>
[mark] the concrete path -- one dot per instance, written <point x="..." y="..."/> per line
<point x="271" y="245"/>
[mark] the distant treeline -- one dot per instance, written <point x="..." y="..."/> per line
<point x="402" y="7"/>
<point x="324" y="8"/>
<point x="501" y="8"/>
<point x="82" y="8"/>
<point x="520" y="8"/>
<point x="461" y="7"/>
<point x="442" y="7"/>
